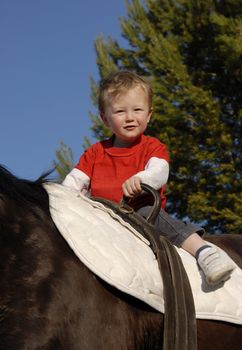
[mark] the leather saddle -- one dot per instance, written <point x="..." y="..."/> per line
<point x="180" y="331"/>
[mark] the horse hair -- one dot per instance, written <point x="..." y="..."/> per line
<point x="22" y="190"/>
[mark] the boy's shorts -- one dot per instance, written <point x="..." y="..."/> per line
<point x="177" y="231"/>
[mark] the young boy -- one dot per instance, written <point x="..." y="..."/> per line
<point x="117" y="166"/>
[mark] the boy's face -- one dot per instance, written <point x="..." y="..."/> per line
<point x="127" y="115"/>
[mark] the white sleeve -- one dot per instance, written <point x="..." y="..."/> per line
<point x="76" y="180"/>
<point x="156" y="173"/>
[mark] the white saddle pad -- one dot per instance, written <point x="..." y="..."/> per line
<point x="117" y="253"/>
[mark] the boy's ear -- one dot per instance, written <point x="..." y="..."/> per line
<point x="150" y="114"/>
<point x="104" y="119"/>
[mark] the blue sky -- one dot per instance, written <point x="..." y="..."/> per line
<point x="46" y="58"/>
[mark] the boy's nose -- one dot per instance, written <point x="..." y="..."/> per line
<point x="129" y="116"/>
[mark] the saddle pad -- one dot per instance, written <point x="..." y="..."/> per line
<point x="118" y="254"/>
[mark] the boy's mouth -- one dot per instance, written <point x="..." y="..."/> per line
<point x="130" y="127"/>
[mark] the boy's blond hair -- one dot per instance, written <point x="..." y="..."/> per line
<point x="118" y="83"/>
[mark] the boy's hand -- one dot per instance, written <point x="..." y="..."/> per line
<point x="132" y="186"/>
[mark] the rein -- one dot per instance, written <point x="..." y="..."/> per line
<point x="179" y="319"/>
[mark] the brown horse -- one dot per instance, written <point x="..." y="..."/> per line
<point x="49" y="300"/>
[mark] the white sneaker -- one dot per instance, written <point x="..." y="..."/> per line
<point x="215" y="265"/>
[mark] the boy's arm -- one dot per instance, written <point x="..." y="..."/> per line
<point x="77" y="180"/>
<point x="155" y="174"/>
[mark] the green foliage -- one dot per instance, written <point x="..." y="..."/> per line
<point x="191" y="51"/>
<point x="65" y="161"/>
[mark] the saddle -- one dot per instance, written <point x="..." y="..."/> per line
<point x="180" y="331"/>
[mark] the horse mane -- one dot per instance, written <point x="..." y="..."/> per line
<point x="22" y="190"/>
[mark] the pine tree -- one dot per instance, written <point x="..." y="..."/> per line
<point x="65" y="161"/>
<point x="191" y="51"/>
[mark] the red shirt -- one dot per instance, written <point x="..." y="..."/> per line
<point x="108" y="167"/>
